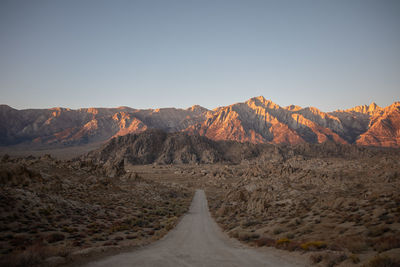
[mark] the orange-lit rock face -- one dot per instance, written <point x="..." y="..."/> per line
<point x="93" y="111"/>
<point x="128" y="124"/>
<point x="365" y="109"/>
<point x="261" y="121"/>
<point x="257" y="120"/>
<point x="384" y="128"/>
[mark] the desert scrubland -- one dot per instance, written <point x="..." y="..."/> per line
<point x="335" y="205"/>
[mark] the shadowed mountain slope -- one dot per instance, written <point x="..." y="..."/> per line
<point x="155" y="146"/>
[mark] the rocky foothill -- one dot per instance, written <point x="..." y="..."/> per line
<point x="340" y="209"/>
<point x="54" y="211"/>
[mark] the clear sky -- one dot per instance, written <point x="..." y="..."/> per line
<point x="148" y="54"/>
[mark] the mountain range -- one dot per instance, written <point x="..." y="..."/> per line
<point x="257" y="120"/>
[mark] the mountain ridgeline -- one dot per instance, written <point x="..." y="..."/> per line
<point x="256" y="121"/>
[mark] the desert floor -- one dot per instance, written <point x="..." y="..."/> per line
<point x="198" y="241"/>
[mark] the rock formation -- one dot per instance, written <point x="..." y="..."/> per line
<point x="155" y="146"/>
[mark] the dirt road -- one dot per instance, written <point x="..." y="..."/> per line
<point x="197" y="241"/>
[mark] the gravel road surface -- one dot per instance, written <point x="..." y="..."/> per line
<point x="198" y="241"/>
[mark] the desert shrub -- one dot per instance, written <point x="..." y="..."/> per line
<point x="24" y="259"/>
<point x="247" y="236"/>
<point x="69" y="229"/>
<point x="20" y="241"/>
<point x="160" y="212"/>
<point x="334" y="247"/>
<point x="62" y="251"/>
<point x="31" y="256"/>
<point x="330" y="259"/>
<point x="250" y="223"/>
<point x="169" y="226"/>
<point x="234" y="234"/>
<point x="383" y="261"/>
<point x="244" y="236"/>
<point x="150" y="232"/>
<point x="126" y="224"/>
<point x="129" y="221"/>
<point x="298" y="221"/>
<point x="386" y="243"/>
<point x="313" y="245"/>
<point x="45" y="211"/>
<point x="305" y="231"/>
<point x="316" y="258"/>
<point x="354" y="258"/>
<point x="282" y="243"/>
<point x="110" y="243"/>
<point x="137" y="177"/>
<point x="255" y="236"/>
<point x="290" y="235"/>
<point x="132" y="236"/>
<point x="335" y="259"/>
<point x="292" y="246"/>
<point x="265" y="241"/>
<point x="5" y="158"/>
<point x="355" y="244"/>
<point x="277" y="231"/>
<point x="55" y="237"/>
<point x="377" y="231"/>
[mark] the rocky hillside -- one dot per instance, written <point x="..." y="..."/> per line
<point x="338" y="211"/>
<point x="257" y="121"/>
<point x="155" y="146"/>
<point x="55" y="211"/>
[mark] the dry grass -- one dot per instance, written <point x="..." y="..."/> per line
<point x="329" y="258"/>
<point x="313" y="245"/>
<point x="32" y="255"/>
<point x="354" y="244"/>
<point x="383" y="261"/>
<point x="265" y="242"/>
<point x="282" y="243"/>
<point x="377" y="231"/>
<point x="55" y="237"/>
<point x="386" y="243"/>
<point x="354" y="258"/>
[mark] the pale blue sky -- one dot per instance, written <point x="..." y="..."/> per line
<point x="149" y="54"/>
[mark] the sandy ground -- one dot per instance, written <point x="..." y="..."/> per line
<point x="198" y="241"/>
